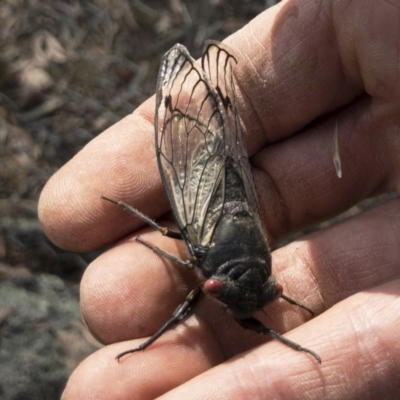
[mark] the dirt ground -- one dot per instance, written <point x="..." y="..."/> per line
<point x="68" y="70"/>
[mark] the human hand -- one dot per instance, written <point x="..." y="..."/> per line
<point x="315" y="61"/>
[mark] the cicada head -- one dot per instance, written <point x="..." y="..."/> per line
<point x="243" y="288"/>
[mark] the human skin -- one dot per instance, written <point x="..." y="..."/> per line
<point x="303" y="65"/>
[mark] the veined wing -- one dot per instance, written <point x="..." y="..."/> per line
<point x="197" y="131"/>
<point x="218" y="62"/>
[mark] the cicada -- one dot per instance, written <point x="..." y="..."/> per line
<point x="204" y="166"/>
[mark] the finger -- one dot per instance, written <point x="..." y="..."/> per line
<point x="144" y="375"/>
<point x="119" y="163"/>
<point x="130" y="292"/>
<point x="357" y="340"/>
<point x="78" y="223"/>
<point x="290" y="74"/>
<point x="303" y="60"/>
<point x="360" y="333"/>
<point x="353" y="255"/>
<point x="297" y="182"/>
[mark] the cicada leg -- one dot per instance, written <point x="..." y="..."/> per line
<point x="255" y="325"/>
<point x="162" y="229"/>
<point x="179" y="314"/>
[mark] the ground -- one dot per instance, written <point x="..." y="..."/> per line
<point x="69" y="70"/>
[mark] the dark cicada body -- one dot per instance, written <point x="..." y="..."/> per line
<point x="205" y="169"/>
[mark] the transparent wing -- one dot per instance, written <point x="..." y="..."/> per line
<point x="197" y="131"/>
<point x="218" y="62"/>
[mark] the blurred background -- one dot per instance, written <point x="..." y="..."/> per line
<point x="68" y="70"/>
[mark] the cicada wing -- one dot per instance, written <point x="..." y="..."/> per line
<point x="218" y="63"/>
<point x="190" y="141"/>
